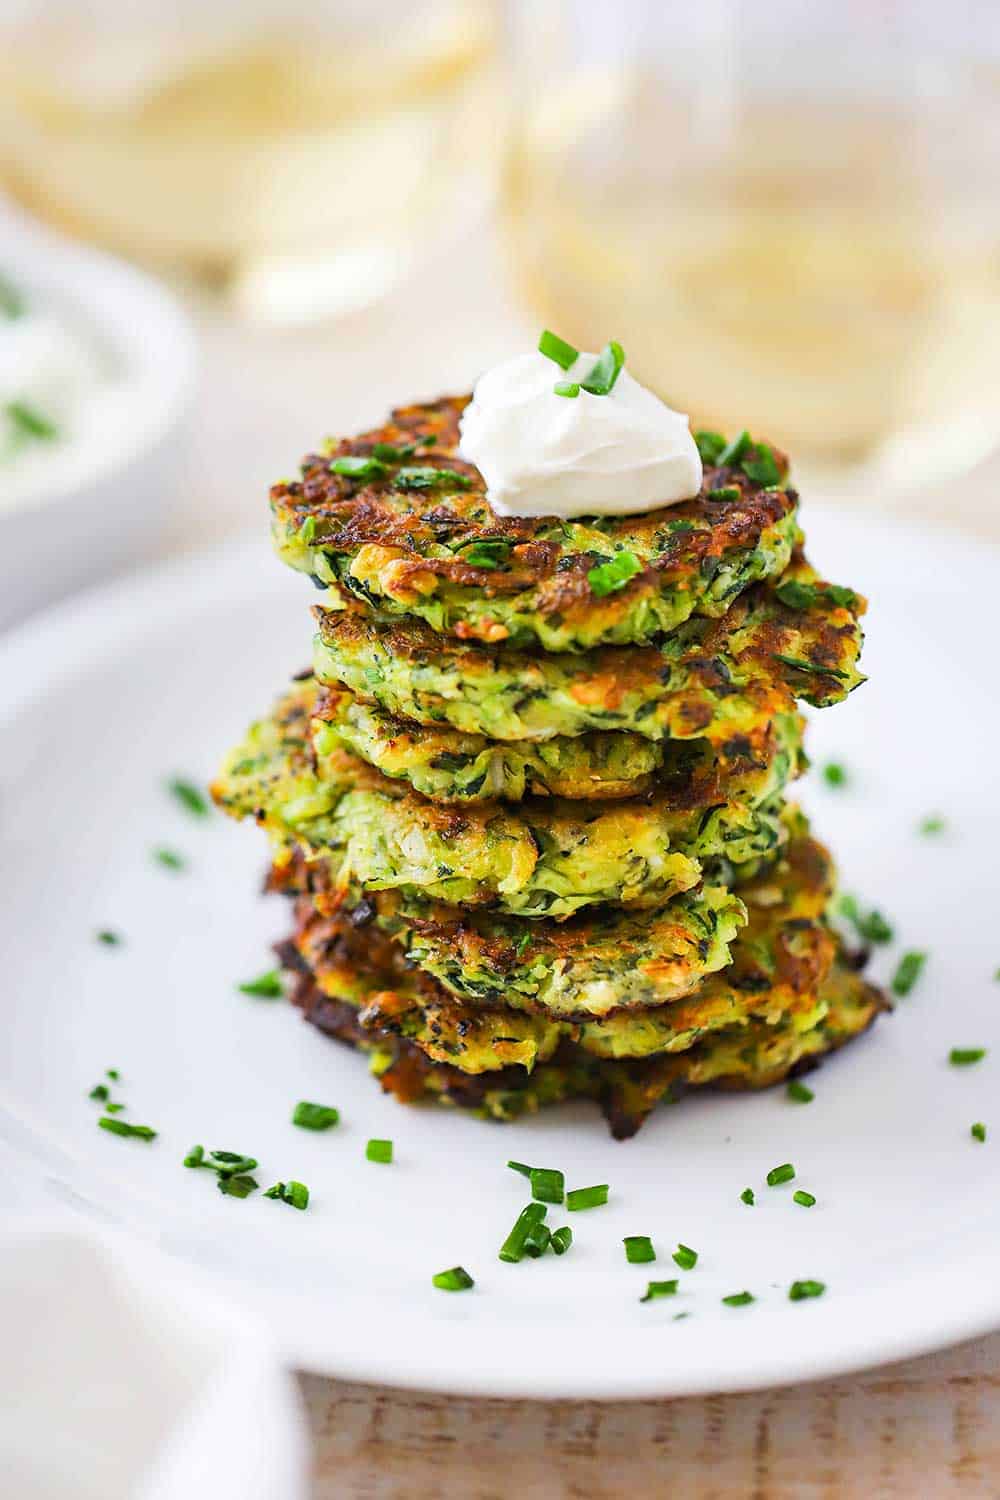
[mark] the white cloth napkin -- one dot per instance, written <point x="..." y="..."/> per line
<point x="121" y="1380"/>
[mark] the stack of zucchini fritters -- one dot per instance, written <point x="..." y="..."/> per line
<point x="531" y="800"/>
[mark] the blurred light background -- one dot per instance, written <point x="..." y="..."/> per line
<point x="788" y="213"/>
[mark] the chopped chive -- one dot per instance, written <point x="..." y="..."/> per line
<point x="391" y="453"/>
<point x="169" y="859"/>
<point x="679" y="1317"/>
<point x="685" y="1257"/>
<point x="562" y="1239"/>
<point x="747" y="1196"/>
<point x="240" y="1186"/>
<point x="604" y="373"/>
<point x="709" y="445"/>
<point x="724" y="492"/>
<point x="734" y="451"/>
<point x="778" y="1175"/>
<point x="557" y="349"/>
<point x="512" y="1249"/>
<point x="978" y="1131"/>
<point x="609" y="577"/>
<point x="486" y="554"/>
<point x="195" y="1157"/>
<point x="11" y="301"/>
<point x="834" y="774"/>
<point x="231" y="1163"/>
<point x="189" y="797"/>
<point x="380" y="1151"/>
<point x="355" y="466"/>
<point x="588" y="1197"/>
<point x="547" y="1184"/>
<point x="961" y="1057"/>
<point x="800" y="1290"/>
<point x="108" y="939"/>
<point x="122" y="1127"/>
<point x="266" y="986"/>
<point x="908" y="971"/>
<point x="567" y="388"/>
<point x="315" y="1116"/>
<point x="799" y="1093"/>
<point x="422" y="477"/>
<point x="519" y="1166"/>
<point x="112" y="1108"/>
<point x="100" y="1091"/>
<point x="638" y="1249"/>
<point x="871" y="926"/>
<point x="537" y="1240"/>
<point x="932" y="825"/>
<point x="762" y="468"/>
<point x="657" y="1289"/>
<point x="455" y="1280"/>
<point x="738" y="1299"/>
<point x="113" y="1074"/>
<point x="805" y="1199"/>
<point x="295" y="1194"/>
<point x="795" y="595"/>
<point x="28" y="422"/>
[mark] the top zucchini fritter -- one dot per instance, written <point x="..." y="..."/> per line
<point x="412" y="534"/>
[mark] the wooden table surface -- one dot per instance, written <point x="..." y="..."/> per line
<point x="930" y="1427"/>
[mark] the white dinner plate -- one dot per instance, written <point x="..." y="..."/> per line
<point x="107" y="698"/>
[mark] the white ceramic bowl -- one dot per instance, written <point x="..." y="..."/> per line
<point x="58" y="538"/>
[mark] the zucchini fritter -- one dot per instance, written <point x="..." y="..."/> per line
<point x="411" y="533"/>
<point x="711" y="679"/>
<point x="541" y="858"/>
<point x="780" y="962"/>
<point x="448" y="766"/>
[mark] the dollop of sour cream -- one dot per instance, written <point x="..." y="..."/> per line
<point x="543" y="454"/>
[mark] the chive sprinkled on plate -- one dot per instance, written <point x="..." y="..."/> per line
<point x="231" y="1163"/>
<point x="315" y="1116"/>
<point x="455" y="1280"/>
<point x="113" y="1074"/>
<point x="108" y="939"/>
<point x="978" y="1131"/>
<point x="963" y="1057"/>
<point x="562" y="1239"/>
<point x="608" y="577"/>
<point x="657" y="1289"/>
<point x="190" y="798"/>
<point x="798" y="1092"/>
<point x="835" y="774"/>
<point x="520" y="1166"/>
<point x="237" y="1185"/>
<point x="871" y="926"/>
<point x="195" y="1157"/>
<point x="169" y="859"/>
<point x="799" y="1291"/>
<point x="738" y="1299"/>
<point x="778" y="1175"/>
<point x="568" y="388"/>
<point x="588" y="1197"/>
<point x="930" y="826"/>
<point x="512" y="1249"/>
<point x="557" y="349"/>
<point x="638" y="1249"/>
<point x="122" y="1127"/>
<point x="112" y="1108"/>
<point x="266" y="986"/>
<point x="547" y="1184"/>
<point x="806" y="1200"/>
<point x="28" y="422"/>
<point x="537" y="1240"/>
<point x="685" y="1257"/>
<point x="908" y="971"/>
<point x="379" y="1150"/>
<point x="295" y="1194"/>
<point x="747" y="1197"/>
<point x="100" y="1091"/>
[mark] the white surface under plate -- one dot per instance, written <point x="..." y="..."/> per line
<point x="106" y="698"/>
